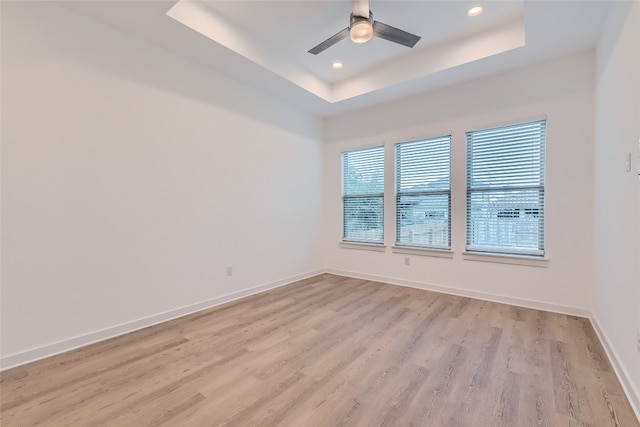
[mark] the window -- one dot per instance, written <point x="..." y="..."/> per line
<point x="363" y="195"/>
<point x="423" y="193"/>
<point x="505" y="189"/>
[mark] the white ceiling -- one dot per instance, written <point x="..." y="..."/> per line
<point x="292" y="28"/>
<point x="264" y="43"/>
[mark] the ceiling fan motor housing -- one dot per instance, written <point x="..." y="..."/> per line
<point x="354" y="19"/>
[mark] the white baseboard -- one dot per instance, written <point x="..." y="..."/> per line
<point x="31" y="355"/>
<point x="630" y="389"/>
<point x="539" y="305"/>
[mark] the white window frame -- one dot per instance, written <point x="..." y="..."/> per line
<point x="423" y="154"/>
<point x="532" y="182"/>
<point x="348" y="240"/>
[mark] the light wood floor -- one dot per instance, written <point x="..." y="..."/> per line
<point x="331" y="351"/>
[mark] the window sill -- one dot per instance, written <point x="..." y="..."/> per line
<point x="408" y="250"/>
<point x="376" y="247"/>
<point x="530" y="261"/>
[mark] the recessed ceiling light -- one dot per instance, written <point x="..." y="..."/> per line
<point x="475" y="11"/>
<point x="336" y="65"/>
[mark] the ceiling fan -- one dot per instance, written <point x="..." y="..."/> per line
<point x="362" y="28"/>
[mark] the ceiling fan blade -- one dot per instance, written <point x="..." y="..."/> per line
<point x="394" y="34"/>
<point x="330" y="41"/>
<point x="360" y="8"/>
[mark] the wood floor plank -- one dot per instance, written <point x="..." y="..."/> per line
<point x="536" y="391"/>
<point x="220" y="395"/>
<point x="331" y="351"/>
<point x="329" y="403"/>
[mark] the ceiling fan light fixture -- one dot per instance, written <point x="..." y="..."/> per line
<point x="361" y="30"/>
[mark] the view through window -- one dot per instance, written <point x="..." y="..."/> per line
<point x="423" y="193"/>
<point x="363" y="195"/>
<point x="505" y="189"/>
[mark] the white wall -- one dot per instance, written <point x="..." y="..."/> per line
<point x="616" y="295"/>
<point x="131" y="178"/>
<point x="562" y="91"/>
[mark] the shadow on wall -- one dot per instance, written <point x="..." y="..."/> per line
<point x="82" y="42"/>
<point x="453" y="104"/>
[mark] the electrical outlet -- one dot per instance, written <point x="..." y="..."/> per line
<point x="407" y="260"/>
<point x="229" y="271"/>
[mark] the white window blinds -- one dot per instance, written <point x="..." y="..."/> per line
<point x="423" y="193"/>
<point x="363" y="195"/>
<point x="505" y="189"/>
